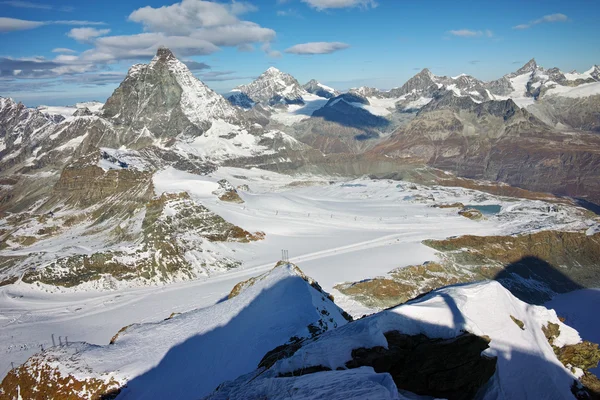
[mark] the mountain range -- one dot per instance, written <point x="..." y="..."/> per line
<point x="170" y="182"/>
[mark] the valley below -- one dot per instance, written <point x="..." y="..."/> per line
<point x="337" y="230"/>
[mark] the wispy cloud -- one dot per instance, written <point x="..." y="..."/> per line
<point x="290" y="12"/>
<point x="317" y="48"/>
<point x="39" y="6"/>
<point x="545" y="19"/>
<point x="14" y="24"/>
<point x="326" y="4"/>
<point x="474" y="62"/>
<point x="63" y="50"/>
<point x="468" y="33"/>
<point x="221" y="76"/>
<point x="85" y="35"/>
<point x="195" y="65"/>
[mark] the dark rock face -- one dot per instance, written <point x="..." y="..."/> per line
<point x="241" y="99"/>
<point x="84" y="183"/>
<point x="449" y="369"/>
<point x="423" y="82"/>
<point x="313" y="87"/>
<point x="498" y="141"/>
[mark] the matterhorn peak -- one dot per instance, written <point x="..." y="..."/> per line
<point x="163" y="53"/>
<point x="175" y="101"/>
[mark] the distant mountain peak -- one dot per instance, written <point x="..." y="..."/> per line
<point x="274" y="87"/>
<point x="530" y="66"/>
<point x="272" y="70"/>
<point x="317" y="88"/>
<point x="426" y="72"/>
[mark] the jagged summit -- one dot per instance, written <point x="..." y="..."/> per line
<point x="274" y="87"/>
<point x="426" y="72"/>
<point x="164" y="54"/>
<point x="423" y="83"/>
<point x="529" y="67"/>
<point x="272" y="70"/>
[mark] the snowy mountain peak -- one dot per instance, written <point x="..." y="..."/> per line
<point x="272" y="70"/>
<point x="274" y="87"/>
<point x="594" y="72"/>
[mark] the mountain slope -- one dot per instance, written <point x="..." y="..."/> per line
<point x="498" y="141"/>
<point x="185" y="356"/>
<point x="431" y="347"/>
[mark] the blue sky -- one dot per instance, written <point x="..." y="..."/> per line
<point x="62" y="51"/>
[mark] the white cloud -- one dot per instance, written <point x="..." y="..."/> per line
<point x="144" y="45"/>
<point x="325" y="4"/>
<point x="188" y="28"/>
<point x="39" y="67"/>
<point x="545" y="19"/>
<point x="234" y="35"/>
<point x="317" y="48"/>
<point x="468" y="33"/>
<point x="84" y="35"/>
<point x="189" y="15"/>
<point x="14" y="24"/>
<point x="75" y="22"/>
<point x="63" y="50"/>
<point x="39" y="6"/>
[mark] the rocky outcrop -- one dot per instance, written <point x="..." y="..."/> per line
<point x="39" y="379"/>
<point x="227" y="192"/>
<point x="533" y="267"/>
<point x="448" y="369"/>
<point x="170" y="248"/>
<point x="84" y="183"/>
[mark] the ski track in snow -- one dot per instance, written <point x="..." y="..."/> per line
<point x="334" y="233"/>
